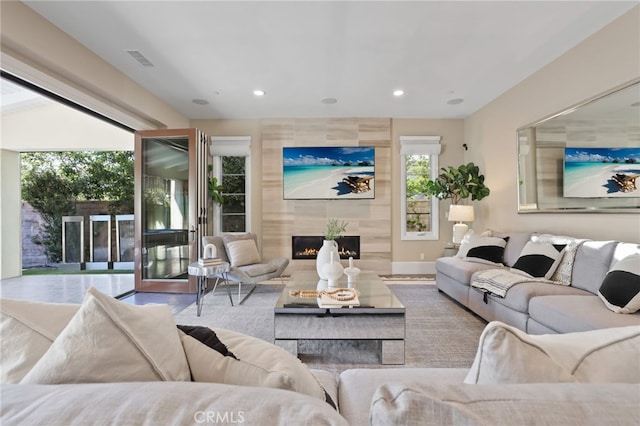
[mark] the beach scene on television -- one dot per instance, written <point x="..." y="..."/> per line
<point x="601" y="172"/>
<point x="311" y="173"/>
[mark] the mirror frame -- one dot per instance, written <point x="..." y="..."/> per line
<point x="527" y="167"/>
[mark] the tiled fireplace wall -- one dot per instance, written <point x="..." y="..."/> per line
<point x="370" y="219"/>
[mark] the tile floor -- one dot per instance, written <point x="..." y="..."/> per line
<point x="72" y="288"/>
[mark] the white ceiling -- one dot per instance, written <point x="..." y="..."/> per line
<point x="357" y="52"/>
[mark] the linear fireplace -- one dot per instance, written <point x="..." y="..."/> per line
<point x="306" y="247"/>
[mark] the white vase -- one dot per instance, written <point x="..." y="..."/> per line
<point x="333" y="270"/>
<point x="324" y="256"/>
<point x="352" y="273"/>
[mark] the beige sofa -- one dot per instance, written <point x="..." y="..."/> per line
<point x="536" y="307"/>
<point x="106" y="362"/>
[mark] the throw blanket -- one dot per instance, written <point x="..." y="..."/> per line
<point x="498" y="281"/>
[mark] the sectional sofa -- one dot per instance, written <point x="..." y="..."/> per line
<point x="542" y="307"/>
<point x="107" y="362"/>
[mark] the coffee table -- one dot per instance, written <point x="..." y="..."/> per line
<point x="380" y="316"/>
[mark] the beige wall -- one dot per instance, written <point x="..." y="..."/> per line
<point x="253" y="129"/>
<point x="605" y="60"/>
<point x="452" y="154"/>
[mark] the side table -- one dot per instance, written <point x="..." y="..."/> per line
<point x="202" y="273"/>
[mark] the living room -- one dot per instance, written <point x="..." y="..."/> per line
<point x="489" y="133"/>
<point x="34" y="48"/>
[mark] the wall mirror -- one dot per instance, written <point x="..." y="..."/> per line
<point x="584" y="159"/>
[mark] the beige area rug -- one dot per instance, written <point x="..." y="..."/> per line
<point x="440" y="332"/>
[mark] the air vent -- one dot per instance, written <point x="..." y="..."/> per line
<point x="135" y="54"/>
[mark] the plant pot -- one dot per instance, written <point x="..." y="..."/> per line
<point x="324" y="256"/>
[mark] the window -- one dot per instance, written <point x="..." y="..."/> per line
<point x="419" y="164"/>
<point x="232" y="166"/>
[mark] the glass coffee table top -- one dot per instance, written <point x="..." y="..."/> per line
<point x="373" y="294"/>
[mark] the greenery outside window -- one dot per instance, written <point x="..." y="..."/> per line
<point x="231" y="166"/>
<point x="418" y="165"/>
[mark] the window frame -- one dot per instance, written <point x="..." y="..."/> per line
<point x="419" y="145"/>
<point x="232" y="146"/>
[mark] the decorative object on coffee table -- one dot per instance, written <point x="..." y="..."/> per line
<point x="333" y="270"/>
<point x="351" y="272"/>
<point x="335" y="228"/>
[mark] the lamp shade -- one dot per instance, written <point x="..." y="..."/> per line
<point x="459" y="213"/>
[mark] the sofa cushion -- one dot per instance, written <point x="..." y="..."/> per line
<point x="416" y="403"/>
<point x="243" y="252"/>
<point x="516" y="243"/>
<point x="160" y="403"/>
<point x="356" y="386"/>
<point x="256" y="363"/>
<point x="518" y="296"/>
<point x="460" y="270"/>
<point x="27" y="330"/>
<point x="509" y="355"/>
<point x="489" y="250"/>
<point x="567" y="314"/>
<point x="110" y="341"/>
<point x="620" y="289"/>
<point x="592" y="262"/>
<point x="538" y="260"/>
<point x="564" y="268"/>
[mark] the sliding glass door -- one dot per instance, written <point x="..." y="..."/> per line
<point x="170" y="204"/>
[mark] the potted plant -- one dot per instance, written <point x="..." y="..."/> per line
<point x="215" y="190"/>
<point x="334" y="230"/>
<point x="458" y="183"/>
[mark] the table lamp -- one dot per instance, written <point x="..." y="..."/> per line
<point x="459" y="214"/>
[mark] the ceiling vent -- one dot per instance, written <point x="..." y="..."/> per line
<point x="135" y="54"/>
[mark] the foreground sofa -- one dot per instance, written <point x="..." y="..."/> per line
<point x="570" y="304"/>
<point x="105" y="362"/>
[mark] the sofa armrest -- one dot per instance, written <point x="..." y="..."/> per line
<point x="421" y="403"/>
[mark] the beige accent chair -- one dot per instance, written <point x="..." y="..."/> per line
<point x="246" y="263"/>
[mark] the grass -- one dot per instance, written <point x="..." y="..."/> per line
<point x="55" y="271"/>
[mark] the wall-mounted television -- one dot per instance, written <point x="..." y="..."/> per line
<point x="328" y="173"/>
<point x="601" y="172"/>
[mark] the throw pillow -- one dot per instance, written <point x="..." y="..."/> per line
<point x="256" y="363"/>
<point x="243" y="252"/>
<point x="508" y="355"/>
<point x="468" y="240"/>
<point x="620" y="289"/>
<point x="488" y="250"/>
<point x="538" y="260"/>
<point x="112" y="341"/>
<point x="564" y="271"/>
<point x="27" y="330"/>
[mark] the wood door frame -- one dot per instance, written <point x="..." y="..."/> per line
<point x="195" y="138"/>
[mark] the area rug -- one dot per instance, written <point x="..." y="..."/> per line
<point x="440" y="332"/>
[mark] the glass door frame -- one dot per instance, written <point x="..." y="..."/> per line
<point x="197" y="202"/>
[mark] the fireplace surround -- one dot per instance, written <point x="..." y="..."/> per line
<point x="307" y="246"/>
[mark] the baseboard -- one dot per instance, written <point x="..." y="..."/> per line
<point x="413" y="267"/>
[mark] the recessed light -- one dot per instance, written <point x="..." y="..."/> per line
<point x="398" y="92"/>
<point x="200" y="101"/>
<point x="328" y="101"/>
<point x="259" y="92"/>
<point x="455" y="101"/>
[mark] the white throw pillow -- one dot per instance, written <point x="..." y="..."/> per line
<point x="508" y="355"/>
<point x="468" y="240"/>
<point x="620" y="289"/>
<point x="488" y="250"/>
<point x="27" y="330"/>
<point x="243" y="252"/>
<point x="258" y="363"/>
<point x="112" y="341"/>
<point x="538" y="260"/>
